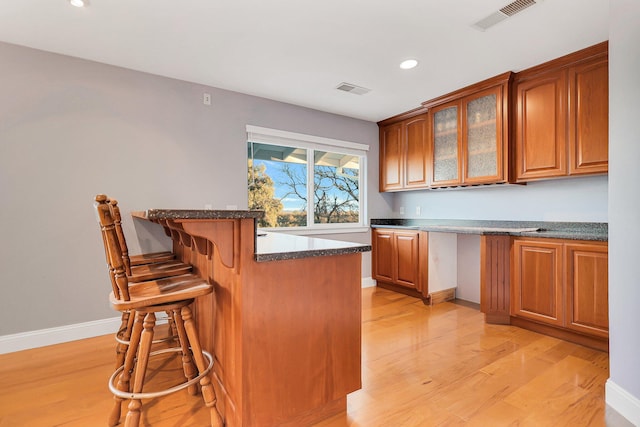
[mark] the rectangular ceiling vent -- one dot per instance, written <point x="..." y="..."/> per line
<point x="504" y="13"/>
<point x="351" y="88"/>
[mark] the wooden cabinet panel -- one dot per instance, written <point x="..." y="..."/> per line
<point x="383" y="255"/>
<point x="587" y="300"/>
<point x="399" y="260"/>
<point x="495" y="253"/>
<point x="562" y="116"/>
<point x="416" y="174"/>
<point x="407" y="259"/>
<point x="391" y="157"/>
<point x="563" y="283"/>
<point x="589" y="117"/>
<point x="541" y="127"/>
<point x="404" y="153"/>
<point x="537" y="287"/>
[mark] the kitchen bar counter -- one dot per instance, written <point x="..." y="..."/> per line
<point x="270" y="246"/>
<point x="596" y="231"/>
<point x="284" y="323"/>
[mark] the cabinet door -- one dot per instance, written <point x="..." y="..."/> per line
<point x="537" y="283"/>
<point x="391" y="157"/>
<point x="445" y="145"/>
<point x="589" y="118"/>
<point x="407" y="259"/>
<point x="587" y="302"/>
<point x="541" y="125"/>
<point x="482" y="137"/>
<point x="383" y="248"/>
<point x="416" y="136"/>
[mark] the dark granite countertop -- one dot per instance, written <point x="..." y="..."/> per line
<point x="161" y="214"/>
<point x="597" y="231"/>
<point x="269" y="246"/>
<point x="280" y="246"/>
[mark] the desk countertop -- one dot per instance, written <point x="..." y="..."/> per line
<point x="596" y="231"/>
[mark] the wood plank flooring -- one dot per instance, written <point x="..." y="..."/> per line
<point x="422" y="366"/>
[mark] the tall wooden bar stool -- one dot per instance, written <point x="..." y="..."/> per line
<point x="147" y="267"/>
<point x="172" y="295"/>
<point x="140" y="259"/>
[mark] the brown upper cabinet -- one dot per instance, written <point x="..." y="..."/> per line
<point x="403" y="151"/>
<point x="549" y="121"/>
<point x="468" y="140"/>
<point x="562" y="116"/>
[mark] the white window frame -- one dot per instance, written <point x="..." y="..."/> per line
<point x="264" y="135"/>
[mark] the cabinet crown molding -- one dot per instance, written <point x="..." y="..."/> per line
<point x="468" y="90"/>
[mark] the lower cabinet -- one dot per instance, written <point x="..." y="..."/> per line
<point x="537" y="291"/>
<point x="587" y="293"/>
<point x="399" y="260"/>
<point x="561" y="283"/>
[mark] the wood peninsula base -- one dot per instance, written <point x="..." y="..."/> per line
<point x="284" y="326"/>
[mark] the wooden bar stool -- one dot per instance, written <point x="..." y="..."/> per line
<point x="147" y="267"/>
<point x="172" y="295"/>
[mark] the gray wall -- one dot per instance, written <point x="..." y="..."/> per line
<point x="71" y="128"/>
<point x="573" y="199"/>
<point x="624" y="197"/>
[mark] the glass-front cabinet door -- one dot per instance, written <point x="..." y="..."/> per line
<point x="469" y="134"/>
<point x="446" y="145"/>
<point x="482" y="137"/>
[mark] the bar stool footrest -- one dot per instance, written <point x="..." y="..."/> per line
<point x="159" y="393"/>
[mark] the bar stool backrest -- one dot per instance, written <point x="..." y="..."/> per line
<point x="119" y="281"/>
<point x="117" y="221"/>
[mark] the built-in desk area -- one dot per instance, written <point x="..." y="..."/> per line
<point x="284" y="324"/>
<point x="550" y="277"/>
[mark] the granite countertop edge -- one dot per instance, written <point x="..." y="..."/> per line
<point x="280" y="256"/>
<point x="164" y="214"/>
<point x="594" y="231"/>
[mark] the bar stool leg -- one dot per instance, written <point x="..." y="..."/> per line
<point x="124" y="333"/>
<point x="208" y="392"/>
<point x="135" y="406"/>
<point x="172" y="325"/>
<point x="187" y="362"/>
<point x="125" y="376"/>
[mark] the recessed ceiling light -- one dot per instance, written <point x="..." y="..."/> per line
<point x="408" y="64"/>
<point x="78" y="3"/>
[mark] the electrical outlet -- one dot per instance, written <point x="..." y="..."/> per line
<point x="208" y="206"/>
<point x="418" y="210"/>
<point x="401" y="210"/>
<point x="206" y="99"/>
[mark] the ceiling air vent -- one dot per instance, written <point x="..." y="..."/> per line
<point x="348" y="87"/>
<point x="504" y="13"/>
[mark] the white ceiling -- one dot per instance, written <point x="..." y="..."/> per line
<point x="298" y="51"/>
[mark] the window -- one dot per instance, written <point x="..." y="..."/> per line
<point x="304" y="182"/>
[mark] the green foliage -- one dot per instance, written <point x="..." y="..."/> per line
<point x="262" y="195"/>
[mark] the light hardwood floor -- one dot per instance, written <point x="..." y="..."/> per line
<point x="422" y="366"/>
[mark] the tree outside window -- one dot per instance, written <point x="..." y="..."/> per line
<point x="278" y="178"/>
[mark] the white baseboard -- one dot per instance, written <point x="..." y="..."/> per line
<point x="49" y="336"/>
<point x="368" y="282"/>
<point x="78" y="331"/>
<point x="623" y="402"/>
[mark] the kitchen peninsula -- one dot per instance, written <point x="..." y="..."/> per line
<point x="284" y="323"/>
